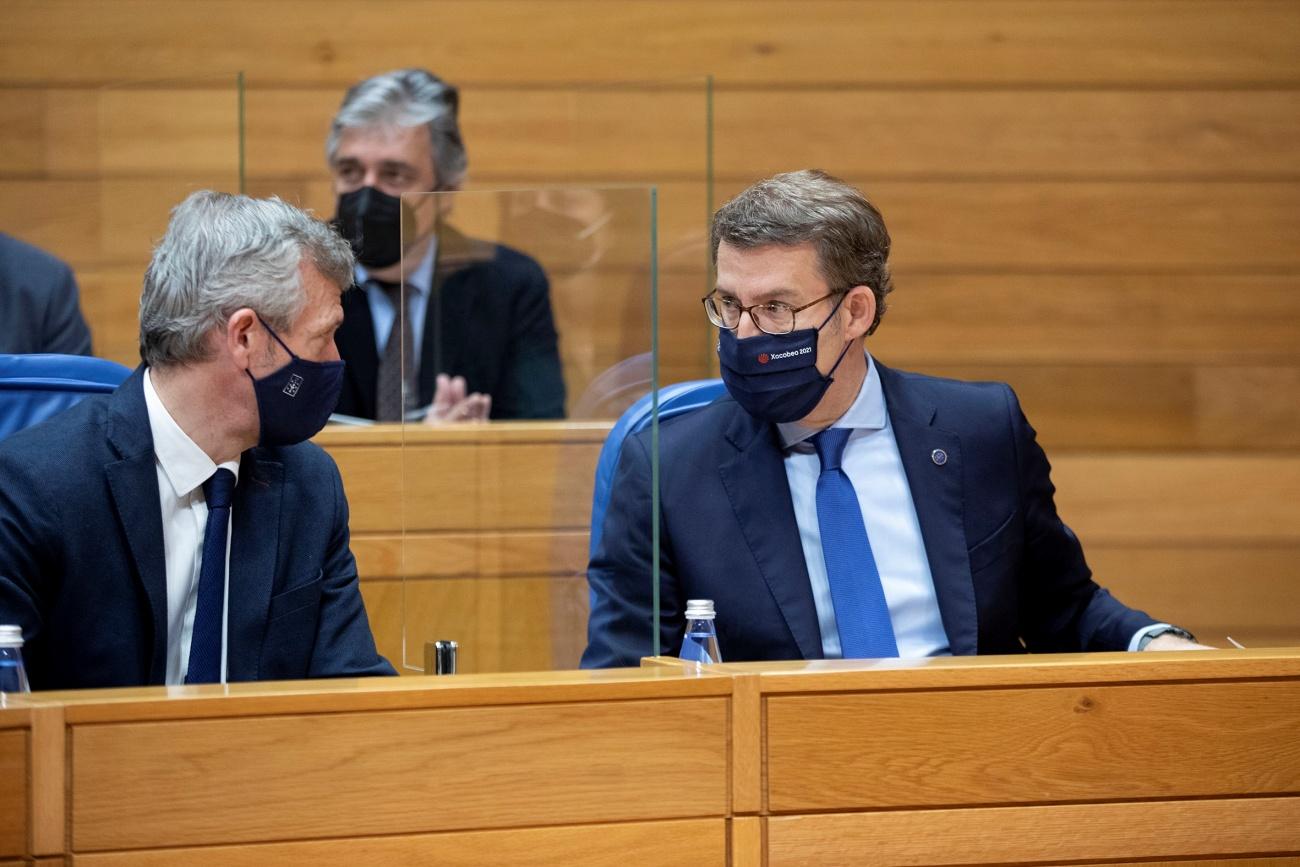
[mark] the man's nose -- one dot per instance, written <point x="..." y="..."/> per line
<point x="747" y="328"/>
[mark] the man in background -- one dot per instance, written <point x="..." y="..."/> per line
<point x="466" y="331"/>
<point x="829" y="505"/>
<point x="181" y="529"/>
<point x="39" y="310"/>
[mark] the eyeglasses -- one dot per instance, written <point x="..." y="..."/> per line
<point x="771" y="317"/>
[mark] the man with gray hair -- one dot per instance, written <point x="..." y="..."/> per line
<point x="450" y="326"/>
<point x="830" y="506"/>
<point x="181" y="529"/>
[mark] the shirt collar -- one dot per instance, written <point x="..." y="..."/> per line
<point x="420" y="279"/>
<point x="866" y="413"/>
<point x="185" y="465"/>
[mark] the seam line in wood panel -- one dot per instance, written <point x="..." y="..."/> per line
<point x="1020" y="805"/>
<point x="398" y="834"/>
<point x="769" y="692"/>
<point x="1125" y="861"/>
<point x="756" y="85"/>
<point x="247" y="712"/>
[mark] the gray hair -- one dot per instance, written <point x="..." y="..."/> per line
<point x="813" y="207"/>
<point x="224" y="252"/>
<point x="408" y="97"/>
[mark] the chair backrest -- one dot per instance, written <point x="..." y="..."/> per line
<point x="35" y="387"/>
<point x="675" y="399"/>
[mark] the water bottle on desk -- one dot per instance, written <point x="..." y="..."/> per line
<point x="701" y="641"/>
<point x="13" y="676"/>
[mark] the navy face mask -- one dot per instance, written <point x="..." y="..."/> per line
<point x="294" y="402"/>
<point x="775" y="376"/>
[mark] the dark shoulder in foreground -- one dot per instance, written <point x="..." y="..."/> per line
<point x="50" y="446"/>
<point x="20" y="259"/>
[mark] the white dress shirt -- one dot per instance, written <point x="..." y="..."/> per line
<point x="874" y="466"/>
<point x="182" y="468"/>
<point x="384" y="313"/>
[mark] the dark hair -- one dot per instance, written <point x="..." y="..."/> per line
<point x="811" y="206"/>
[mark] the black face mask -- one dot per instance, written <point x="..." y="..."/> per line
<point x="371" y="220"/>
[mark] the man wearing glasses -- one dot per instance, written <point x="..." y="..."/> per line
<point x="830" y="506"/>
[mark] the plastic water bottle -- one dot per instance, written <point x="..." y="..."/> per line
<point x="701" y="641"/>
<point x="13" y="676"/>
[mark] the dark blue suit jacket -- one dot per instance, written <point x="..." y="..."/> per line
<point x="488" y="319"/>
<point x="1009" y="575"/>
<point x="82" y="566"/>
<point x="39" y="310"/>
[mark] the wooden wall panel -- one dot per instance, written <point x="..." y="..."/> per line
<point x="1249" y="592"/>
<point x="614" y="845"/>
<point x="1180" y="499"/>
<point x="1029" y="746"/>
<point x="609" y="133"/>
<point x="14" y="794"/>
<point x="1116" y="407"/>
<point x="1038" y="835"/>
<point x="301" y="777"/>
<point x="998" y="42"/>
<point x="618" y="133"/>
<point x="1089" y="318"/>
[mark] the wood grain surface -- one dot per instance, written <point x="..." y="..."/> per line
<point x="654" y="844"/>
<point x="1032" y="746"/>
<point x="1040" y="835"/>
<point x="407" y="772"/>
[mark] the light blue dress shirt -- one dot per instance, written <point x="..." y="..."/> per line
<point x="872" y="462"/>
<point x="384" y="313"/>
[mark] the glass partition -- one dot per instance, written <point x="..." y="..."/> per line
<point x="91" y="175"/>
<point x="527" y="300"/>
<point x="566" y="144"/>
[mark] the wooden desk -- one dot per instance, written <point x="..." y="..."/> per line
<point x="1114" y="758"/>
<point x="1014" y="760"/>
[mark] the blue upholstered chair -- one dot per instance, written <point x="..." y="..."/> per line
<point x="675" y="399"/>
<point x="35" y="387"/>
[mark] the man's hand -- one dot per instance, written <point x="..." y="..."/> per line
<point x="451" y="405"/>
<point x="1174" y="642"/>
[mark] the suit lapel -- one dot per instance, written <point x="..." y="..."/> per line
<point x="938" y="498"/>
<point x="759" y="492"/>
<point x="133" y="481"/>
<point x="255" y="531"/>
<point x="450" y="299"/>
<point x="356" y="342"/>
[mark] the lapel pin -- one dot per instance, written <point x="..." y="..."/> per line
<point x="939" y="456"/>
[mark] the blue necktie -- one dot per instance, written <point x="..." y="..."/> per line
<point x="205" y="641"/>
<point x="861" y="612"/>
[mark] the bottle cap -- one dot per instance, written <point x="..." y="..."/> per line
<point x="699" y="609"/>
<point x="11" y="636"/>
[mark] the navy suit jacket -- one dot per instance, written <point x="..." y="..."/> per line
<point x="82" y="568"/>
<point x="39" y="311"/>
<point x="1009" y="575"/>
<point x="488" y="319"/>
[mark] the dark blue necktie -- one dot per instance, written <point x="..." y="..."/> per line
<point x="205" y="641"/>
<point x="861" y="612"/>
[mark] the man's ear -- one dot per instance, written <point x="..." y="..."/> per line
<point x="244" y="340"/>
<point x="860" y="307"/>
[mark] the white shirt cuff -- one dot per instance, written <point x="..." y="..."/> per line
<point x="1144" y="632"/>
